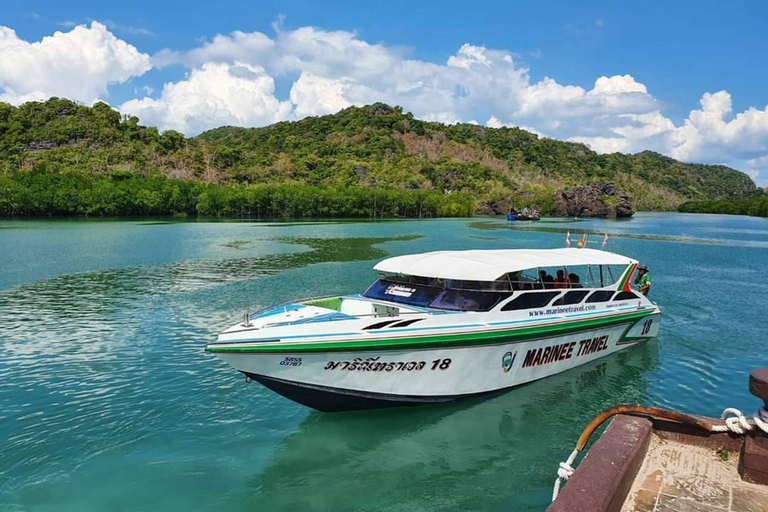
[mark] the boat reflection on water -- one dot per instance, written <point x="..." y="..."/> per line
<point x="450" y="456"/>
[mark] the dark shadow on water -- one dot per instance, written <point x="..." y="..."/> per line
<point x="478" y="237"/>
<point x="266" y="222"/>
<point x="452" y="456"/>
<point x="154" y="220"/>
<point x="237" y="244"/>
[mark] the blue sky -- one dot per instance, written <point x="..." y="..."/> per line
<point x="542" y="60"/>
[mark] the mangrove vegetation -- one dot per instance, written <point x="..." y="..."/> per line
<point x="755" y="206"/>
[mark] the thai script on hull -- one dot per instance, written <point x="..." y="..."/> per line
<point x="372" y="364"/>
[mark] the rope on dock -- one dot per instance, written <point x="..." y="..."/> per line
<point x="736" y="422"/>
<point x="564" y="473"/>
<point x="733" y="421"/>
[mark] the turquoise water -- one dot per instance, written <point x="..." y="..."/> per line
<point x="108" y="401"/>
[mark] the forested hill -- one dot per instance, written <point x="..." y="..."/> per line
<point x="382" y="146"/>
<point x="376" y="146"/>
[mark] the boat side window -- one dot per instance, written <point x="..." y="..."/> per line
<point x="569" y="298"/>
<point x="625" y="296"/>
<point x="576" y="276"/>
<point x="467" y="300"/>
<point x="599" y="276"/>
<point x="615" y="272"/>
<point x="553" y="278"/>
<point x="523" y="280"/>
<point x="530" y="300"/>
<point x="600" y="296"/>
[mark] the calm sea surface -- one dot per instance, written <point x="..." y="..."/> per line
<point x="108" y="401"/>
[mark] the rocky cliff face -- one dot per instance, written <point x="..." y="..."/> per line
<point x="595" y="200"/>
<point x="497" y="207"/>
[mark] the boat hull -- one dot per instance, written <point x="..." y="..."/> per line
<point x="366" y="378"/>
<point x="330" y="399"/>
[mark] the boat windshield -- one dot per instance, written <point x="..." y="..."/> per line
<point x="467" y="300"/>
<point x="435" y="294"/>
<point x="411" y="294"/>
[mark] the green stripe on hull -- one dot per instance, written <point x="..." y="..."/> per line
<point x="441" y="341"/>
<point x="625" y="277"/>
<point x="628" y="340"/>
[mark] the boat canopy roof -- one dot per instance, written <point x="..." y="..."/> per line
<point x="489" y="265"/>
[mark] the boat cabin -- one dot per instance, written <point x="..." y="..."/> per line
<point x="506" y="280"/>
<point x="541" y="281"/>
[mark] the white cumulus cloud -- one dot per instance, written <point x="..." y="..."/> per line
<point x="312" y="95"/>
<point x="710" y="134"/>
<point x="337" y="69"/>
<point x="79" y="64"/>
<point x="213" y="95"/>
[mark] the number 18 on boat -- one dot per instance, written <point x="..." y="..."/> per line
<point x="444" y="326"/>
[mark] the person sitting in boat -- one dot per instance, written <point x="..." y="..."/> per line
<point x="549" y="282"/>
<point x="573" y="281"/>
<point x="457" y="299"/>
<point x="542" y="279"/>
<point x="560" y="280"/>
<point x="643" y="280"/>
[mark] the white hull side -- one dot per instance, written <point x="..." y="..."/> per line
<point x="445" y="372"/>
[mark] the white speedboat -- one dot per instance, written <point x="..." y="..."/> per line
<point x="443" y="326"/>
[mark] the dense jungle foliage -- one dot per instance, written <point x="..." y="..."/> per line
<point x="41" y="193"/>
<point x="756" y="206"/>
<point x="58" y="157"/>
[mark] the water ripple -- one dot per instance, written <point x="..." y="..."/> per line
<point x="107" y="399"/>
<point x="95" y="361"/>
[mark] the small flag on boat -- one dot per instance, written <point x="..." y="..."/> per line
<point x="567" y="238"/>
<point x="581" y="242"/>
<point x="605" y="240"/>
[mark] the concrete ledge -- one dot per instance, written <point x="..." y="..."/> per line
<point x="604" y="477"/>
<point x="753" y="463"/>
